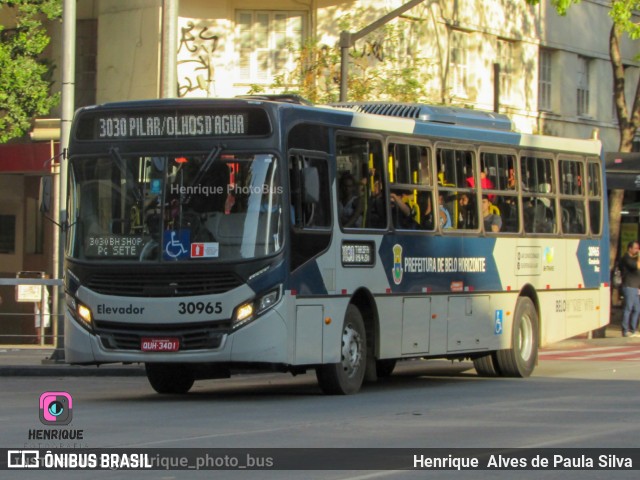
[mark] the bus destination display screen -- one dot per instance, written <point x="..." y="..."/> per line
<point x="358" y="254"/>
<point x="192" y="124"/>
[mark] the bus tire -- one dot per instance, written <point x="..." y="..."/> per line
<point x="487" y="365"/>
<point x="169" y="377"/>
<point x="521" y="358"/>
<point x="346" y="376"/>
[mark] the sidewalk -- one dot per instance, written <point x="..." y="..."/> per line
<point x="35" y="362"/>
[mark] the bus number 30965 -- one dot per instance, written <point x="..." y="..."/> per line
<point x="185" y="308"/>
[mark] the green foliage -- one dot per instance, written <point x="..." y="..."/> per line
<point x="25" y="79"/>
<point x="561" y="6"/>
<point x="382" y="66"/>
<point x="621" y="11"/>
<point x="314" y="77"/>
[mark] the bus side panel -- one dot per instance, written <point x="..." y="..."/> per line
<point x="585" y="306"/>
<point x="309" y="334"/>
<point x="416" y="319"/>
<point x="264" y="340"/>
<point x="470" y="322"/>
<point x="539" y="268"/>
<point x="390" y="326"/>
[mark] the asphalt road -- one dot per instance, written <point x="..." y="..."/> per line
<point x="584" y="403"/>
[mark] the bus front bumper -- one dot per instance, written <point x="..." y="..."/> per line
<point x="265" y="340"/>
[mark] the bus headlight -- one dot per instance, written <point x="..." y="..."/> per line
<point x="85" y="313"/>
<point x="80" y="312"/>
<point x="249" y="311"/>
<point x="268" y="300"/>
<point x="244" y="312"/>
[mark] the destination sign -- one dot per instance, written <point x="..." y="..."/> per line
<point x="358" y="254"/>
<point x="144" y="126"/>
<point x="113" y="246"/>
<point x="136" y="124"/>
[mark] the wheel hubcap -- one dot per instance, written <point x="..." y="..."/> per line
<point x="526" y="338"/>
<point x="351" y="350"/>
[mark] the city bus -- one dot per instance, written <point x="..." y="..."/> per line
<point x="209" y="237"/>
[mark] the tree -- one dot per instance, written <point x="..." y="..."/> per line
<point x="24" y="76"/>
<point x="621" y="14"/>
<point x="389" y="52"/>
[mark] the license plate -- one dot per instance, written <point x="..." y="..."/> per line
<point x="159" y="344"/>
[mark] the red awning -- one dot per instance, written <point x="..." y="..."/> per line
<point x="27" y="157"/>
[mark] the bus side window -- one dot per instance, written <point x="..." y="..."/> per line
<point x="310" y="192"/>
<point x="500" y="187"/>
<point x="466" y="216"/>
<point x="572" y="205"/>
<point x="573" y="217"/>
<point x="595" y="201"/>
<point x="508" y="208"/>
<point x="595" y="216"/>
<point x="539" y="215"/>
<point x="571" y="177"/>
<point x="455" y="168"/>
<point x="410" y="178"/>
<point x="363" y="159"/>
<point x="500" y="170"/>
<point x="425" y="200"/>
<point x="310" y="206"/>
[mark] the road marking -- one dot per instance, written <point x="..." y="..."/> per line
<point x="390" y="473"/>
<point x="631" y="353"/>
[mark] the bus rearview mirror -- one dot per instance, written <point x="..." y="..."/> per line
<point x="44" y="194"/>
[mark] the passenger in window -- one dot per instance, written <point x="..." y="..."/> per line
<point x="491" y="216"/>
<point x="350" y="204"/>
<point x="406" y="214"/>
<point x="424" y="203"/>
<point x="545" y="185"/>
<point x="578" y="190"/>
<point x="444" y="217"/>
<point x="465" y="212"/>
<point x="376" y="211"/>
<point x="538" y="215"/>
<point x="508" y="207"/>
<point x="511" y="180"/>
<point x="485" y="183"/>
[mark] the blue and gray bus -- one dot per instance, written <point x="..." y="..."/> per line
<point x="213" y="236"/>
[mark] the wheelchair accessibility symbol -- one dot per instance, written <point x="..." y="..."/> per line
<point x="498" y="323"/>
<point x="177" y="244"/>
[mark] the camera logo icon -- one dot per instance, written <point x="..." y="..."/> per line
<point x="56" y="408"/>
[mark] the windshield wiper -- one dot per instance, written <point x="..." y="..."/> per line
<point x="204" y="168"/>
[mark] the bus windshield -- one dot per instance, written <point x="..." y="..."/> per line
<point x="167" y="208"/>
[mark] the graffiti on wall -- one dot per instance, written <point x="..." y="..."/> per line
<point x="196" y="71"/>
<point x="370" y="49"/>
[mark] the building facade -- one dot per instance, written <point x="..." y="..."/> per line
<point x="550" y="74"/>
<point x="554" y="78"/>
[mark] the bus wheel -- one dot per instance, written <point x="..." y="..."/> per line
<point x="345" y="377"/>
<point x="169" y="377"/>
<point x="486" y="365"/>
<point x="384" y="368"/>
<point x="521" y="358"/>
